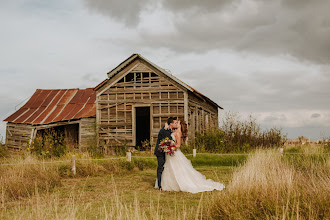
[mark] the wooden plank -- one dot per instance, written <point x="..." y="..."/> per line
<point x="186" y="107"/>
<point x="133" y="126"/>
<point x="169" y="115"/>
<point x="118" y="137"/>
<point x="141" y="68"/>
<point x="151" y="124"/>
<point x="180" y="101"/>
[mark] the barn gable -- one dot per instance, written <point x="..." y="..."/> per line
<point x="136" y="63"/>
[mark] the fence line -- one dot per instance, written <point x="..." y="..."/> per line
<point x="224" y="154"/>
<point x="109" y="158"/>
<point x="43" y="162"/>
<point x="146" y="157"/>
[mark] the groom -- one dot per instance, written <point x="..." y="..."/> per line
<point x="163" y="133"/>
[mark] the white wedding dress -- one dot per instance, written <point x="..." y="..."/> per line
<point x="180" y="175"/>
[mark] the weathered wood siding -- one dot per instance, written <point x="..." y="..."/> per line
<point x="18" y="136"/>
<point x="140" y="85"/>
<point x="87" y="131"/>
<point x="201" y="115"/>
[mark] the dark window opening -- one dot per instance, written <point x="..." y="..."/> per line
<point x="153" y="75"/>
<point x="70" y="133"/>
<point x="129" y="77"/>
<point x="142" y="126"/>
<point x="138" y="76"/>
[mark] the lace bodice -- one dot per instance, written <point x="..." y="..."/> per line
<point x="173" y="137"/>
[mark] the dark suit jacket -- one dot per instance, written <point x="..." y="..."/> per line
<point x="162" y="135"/>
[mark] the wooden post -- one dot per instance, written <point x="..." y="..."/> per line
<point x="128" y="156"/>
<point x="194" y="152"/>
<point x="281" y="151"/>
<point x="73" y="163"/>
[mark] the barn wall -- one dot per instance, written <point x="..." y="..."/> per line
<point x="18" y="135"/>
<point x="201" y="115"/>
<point x="141" y="86"/>
<point x="87" y="131"/>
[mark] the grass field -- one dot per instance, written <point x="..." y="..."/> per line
<point x="263" y="185"/>
<point x="126" y="195"/>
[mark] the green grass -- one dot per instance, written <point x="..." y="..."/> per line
<point x="217" y="160"/>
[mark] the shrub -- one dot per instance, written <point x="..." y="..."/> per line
<point x="210" y="141"/>
<point x="235" y="135"/>
<point x="93" y="149"/>
<point x="47" y="144"/>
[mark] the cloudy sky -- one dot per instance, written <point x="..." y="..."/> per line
<point x="270" y="59"/>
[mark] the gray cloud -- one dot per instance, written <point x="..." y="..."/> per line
<point x="298" y="28"/>
<point x="91" y="78"/>
<point x="315" y="115"/>
<point x="262" y="91"/>
<point x="270" y="119"/>
<point x="197" y="5"/>
<point x="124" y="11"/>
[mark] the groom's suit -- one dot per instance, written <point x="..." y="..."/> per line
<point x="161" y="155"/>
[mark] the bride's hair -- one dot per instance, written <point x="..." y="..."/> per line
<point x="184" y="130"/>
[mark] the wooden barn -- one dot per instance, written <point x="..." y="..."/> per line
<point x="129" y="107"/>
<point x="71" y="111"/>
<point x="138" y="97"/>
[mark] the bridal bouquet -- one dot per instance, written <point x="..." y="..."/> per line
<point x="167" y="146"/>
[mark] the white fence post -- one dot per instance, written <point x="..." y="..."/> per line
<point x="194" y="152"/>
<point x="281" y="151"/>
<point x="128" y="156"/>
<point x="73" y="163"/>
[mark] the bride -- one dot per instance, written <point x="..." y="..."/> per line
<point x="179" y="174"/>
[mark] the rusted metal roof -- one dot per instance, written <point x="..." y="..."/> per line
<point x="48" y="106"/>
<point x="136" y="56"/>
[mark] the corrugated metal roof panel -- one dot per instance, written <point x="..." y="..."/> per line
<point x="51" y="106"/>
<point x="41" y="98"/>
<point x="16" y="114"/>
<point x="74" y="110"/>
<point x="24" y="116"/>
<point x="50" y="97"/>
<point x="76" y="97"/>
<point x="29" y="103"/>
<point x="48" y="106"/>
<point x="52" y="115"/>
<point x="65" y="111"/>
<point x="35" y="115"/>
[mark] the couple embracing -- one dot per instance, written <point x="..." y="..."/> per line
<point x="175" y="172"/>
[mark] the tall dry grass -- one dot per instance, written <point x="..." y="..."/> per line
<point x="270" y="186"/>
<point x="20" y="176"/>
<point x="20" y="180"/>
<point x="53" y="206"/>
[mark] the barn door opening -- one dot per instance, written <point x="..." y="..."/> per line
<point x="142" y="129"/>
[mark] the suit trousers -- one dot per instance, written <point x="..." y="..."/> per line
<point x="160" y="168"/>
